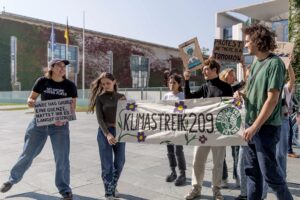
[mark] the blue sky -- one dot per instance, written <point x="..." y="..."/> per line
<point x="166" y="22"/>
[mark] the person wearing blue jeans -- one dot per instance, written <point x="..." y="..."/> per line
<point x="111" y="167"/>
<point x="104" y="97"/>
<point x="263" y="115"/>
<point x="53" y="85"/>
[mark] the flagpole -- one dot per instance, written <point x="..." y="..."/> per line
<point x="52" y="42"/>
<point x="83" y="57"/>
<point x="67" y="50"/>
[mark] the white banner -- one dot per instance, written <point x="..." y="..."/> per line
<point x="50" y="111"/>
<point x="199" y="122"/>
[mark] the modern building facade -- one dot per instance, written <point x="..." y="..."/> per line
<point x="25" y="49"/>
<point x="273" y="13"/>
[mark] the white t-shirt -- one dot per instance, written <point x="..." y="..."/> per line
<point x="172" y="96"/>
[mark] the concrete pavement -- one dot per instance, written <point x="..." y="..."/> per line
<point x="143" y="176"/>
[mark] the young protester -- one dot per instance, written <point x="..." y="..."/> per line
<point x="174" y="83"/>
<point x="53" y="85"/>
<point x="104" y="97"/>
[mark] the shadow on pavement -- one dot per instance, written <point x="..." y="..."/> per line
<point x="294" y="189"/>
<point x="38" y="196"/>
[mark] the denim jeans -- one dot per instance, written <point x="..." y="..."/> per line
<point x="261" y="164"/>
<point x="35" y="139"/>
<point x="282" y="145"/>
<point x="235" y="156"/>
<point x="241" y="171"/>
<point x="178" y="151"/>
<point x="112" y="161"/>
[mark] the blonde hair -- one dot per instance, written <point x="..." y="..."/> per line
<point x="224" y="74"/>
<point x="97" y="89"/>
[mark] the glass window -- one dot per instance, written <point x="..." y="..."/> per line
<point x="60" y="53"/>
<point x="281" y="30"/>
<point x="139" y="71"/>
<point x="227" y="33"/>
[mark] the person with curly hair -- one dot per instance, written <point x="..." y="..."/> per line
<point x="263" y="115"/>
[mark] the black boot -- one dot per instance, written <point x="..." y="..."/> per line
<point x="181" y="180"/>
<point x="172" y="176"/>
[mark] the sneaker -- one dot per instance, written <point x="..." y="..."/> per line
<point x="224" y="183"/>
<point x="117" y="194"/>
<point x="240" y="197"/>
<point x="171" y="177"/>
<point x="195" y="192"/>
<point x="6" y="186"/>
<point x="181" y="180"/>
<point x="217" y="194"/>
<point x="67" y="196"/>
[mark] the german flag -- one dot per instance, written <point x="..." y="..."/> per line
<point x="66" y="35"/>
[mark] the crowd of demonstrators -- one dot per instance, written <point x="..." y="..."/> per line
<point x="104" y="97"/>
<point x="213" y="87"/>
<point x="53" y="85"/>
<point x="268" y="130"/>
<point x="173" y="82"/>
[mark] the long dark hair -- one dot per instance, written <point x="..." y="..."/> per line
<point x="97" y="89"/>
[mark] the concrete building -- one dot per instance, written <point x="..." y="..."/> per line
<point x="229" y="23"/>
<point x="25" y="49"/>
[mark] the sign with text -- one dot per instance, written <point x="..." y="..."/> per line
<point x="199" y="122"/>
<point x="51" y="111"/>
<point x="191" y="55"/>
<point x="284" y="50"/>
<point x="228" y="50"/>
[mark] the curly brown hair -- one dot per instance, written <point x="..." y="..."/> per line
<point x="262" y="36"/>
<point x="213" y="64"/>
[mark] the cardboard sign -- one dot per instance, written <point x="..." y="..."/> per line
<point x="284" y="50"/>
<point x="228" y="50"/>
<point x="191" y="55"/>
<point x="51" y="111"/>
<point x="199" y="122"/>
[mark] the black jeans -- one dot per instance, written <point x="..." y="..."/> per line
<point x="235" y="156"/>
<point x="291" y="134"/>
<point x="179" y="155"/>
<point x="261" y="164"/>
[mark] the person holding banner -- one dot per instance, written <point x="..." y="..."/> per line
<point x="104" y="97"/>
<point x="174" y="83"/>
<point x="214" y="87"/>
<point x="53" y="85"/>
<point x="263" y="116"/>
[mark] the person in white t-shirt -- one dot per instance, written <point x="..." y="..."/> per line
<point x="174" y="83"/>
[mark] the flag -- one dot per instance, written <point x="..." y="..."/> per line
<point x="52" y="41"/>
<point x="66" y="35"/>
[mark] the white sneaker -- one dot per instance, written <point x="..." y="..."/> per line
<point x="217" y="193"/>
<point x="195" y="192"/>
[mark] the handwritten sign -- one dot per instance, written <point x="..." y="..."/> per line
<point x="191" y="55"/>
<point x="198" y="122"/>
<point x="284" y="50"/>
<point x="51" y="111"/>
<point x="228" y="50"/>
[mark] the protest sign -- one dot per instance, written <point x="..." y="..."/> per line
<point x="191" y="55"/>
<point x="199" y="122"/>
<point x="228" y="50"/>
<point x="51" y="111"/>
<point x="284" y="50"/>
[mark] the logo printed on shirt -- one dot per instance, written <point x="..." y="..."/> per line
<point x="60" y="92"/>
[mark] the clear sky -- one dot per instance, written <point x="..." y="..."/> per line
<point x="166" y="22"/>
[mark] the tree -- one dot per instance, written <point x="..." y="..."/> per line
<point x="294" y="34"/>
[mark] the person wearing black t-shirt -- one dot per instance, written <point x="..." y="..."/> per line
<point x="213" y="87"/>
<point x="53" y="85"/>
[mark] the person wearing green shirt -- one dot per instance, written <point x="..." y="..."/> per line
<point x="263" y="115"/>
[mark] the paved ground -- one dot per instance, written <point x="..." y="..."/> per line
<point x="143" y="176"/>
